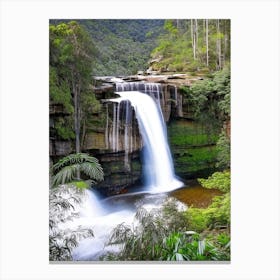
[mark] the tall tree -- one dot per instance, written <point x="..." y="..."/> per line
<point x="71" y="57"/>
<point x="207" y="46"/>
<point x="219" y="47"/>
<point x="201" y="43"/>
<point x="193" y="39"/>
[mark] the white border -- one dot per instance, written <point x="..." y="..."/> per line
<point x="24" y="138"/>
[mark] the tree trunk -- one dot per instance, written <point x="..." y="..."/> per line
<point x="193" y="40"/>
<point x="84" y="128"/>
<point x="219" y="47"/>
<point x="225" y="40"/>
<point x="196" y="36"/>
<point x="77" y="120"/>
<point x="207" y="50"/>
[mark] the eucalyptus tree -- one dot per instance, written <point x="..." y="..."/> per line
<point x="71" y="63"/>
<point x="198" y="44"/>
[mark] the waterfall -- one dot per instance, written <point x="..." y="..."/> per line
<point x="91" y="206"/>
<point x="158" y="164"/>
<point x="152" y="89"/>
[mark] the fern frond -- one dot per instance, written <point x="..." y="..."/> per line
<point x="67" y="168"/>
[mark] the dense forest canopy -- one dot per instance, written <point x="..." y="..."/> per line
<point x="123" y="46"/>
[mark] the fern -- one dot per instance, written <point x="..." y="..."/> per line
<point x="67" y="168"/>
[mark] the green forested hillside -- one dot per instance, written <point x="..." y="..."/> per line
<point x="191" y="45"/>
<point x="123" y="46"/>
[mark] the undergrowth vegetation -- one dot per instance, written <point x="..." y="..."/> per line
<point x="217" y="215"/>
<point x="63" y="202"/>
<point x="164" y="235"/>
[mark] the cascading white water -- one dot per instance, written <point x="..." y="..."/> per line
<point x="158" y="164"/>
<point x="158" y="168"/>
<point x="91" y="207"/>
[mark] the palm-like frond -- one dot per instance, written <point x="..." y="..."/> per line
<point x="93" y="170"/>
<point x="69" y="166"/>
<point x="73" y="159"/>
<point x="65" y="175"/>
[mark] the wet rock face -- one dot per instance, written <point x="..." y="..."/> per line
<point x="60" y="148"/>
<point x="121" y="142"/>
<point x="119" y="173"/>
<point x="116" y="141"/>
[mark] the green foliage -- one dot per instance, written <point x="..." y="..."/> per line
<point x="222" y="87"/>
<point x="183" y="133"/>
<point x="64" y="128"/>
<point x="218" y="180"/>
<point x="168" y="25"/>
<point x="152" y="238"/>
<point x="223" y="239"/>
<point x="140" y="242"/>
<point x="215" y="216"/>
<point x="123" y="46"/>
<point x="223" y="151"/>
<point x="92" y="115"/>
<point x="60" y="91"/>
<point x="81" y="184"/>
<point x="65" y="170"/>
<point x="192" y="146"/>
<point x="195" y="159"/>
<point x="71" y="64"/>
<point x="62" y="240"/>
<point x="190" y="247"/>
<point x="204" y="102"/>
<point x="197" y="219"/>
<point x="218" y="213"/>
<point x="175" y="50"/>
<point x="210" y="100"/>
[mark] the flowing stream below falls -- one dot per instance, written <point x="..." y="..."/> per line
<point x="102" y="216"/>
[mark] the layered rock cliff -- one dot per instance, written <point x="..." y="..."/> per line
<point x="116" y="141"/>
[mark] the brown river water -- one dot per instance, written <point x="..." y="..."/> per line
<point x="195" y="195"/>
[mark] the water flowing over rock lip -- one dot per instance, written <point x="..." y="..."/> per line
<point x="158" y="163"/>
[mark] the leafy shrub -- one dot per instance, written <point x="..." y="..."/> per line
<point x="215" y="216"/>
<point x="154" y="238"/>
<point x="218" y="212"/>
<point x="64" y="129"/>
<point x="197" y="219"/>
<point x="223" y="151"/>
<point x="218" y="180"/>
